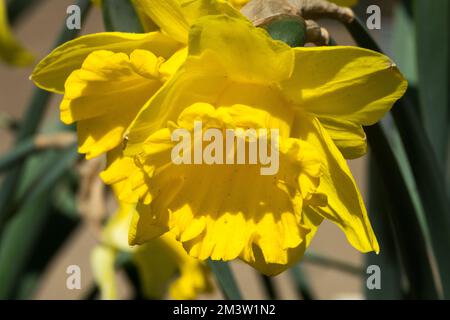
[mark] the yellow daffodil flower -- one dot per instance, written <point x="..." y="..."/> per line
<point x="237" y="77"/>
<point x="11" y="51"/>
<point x="162" y="264"/>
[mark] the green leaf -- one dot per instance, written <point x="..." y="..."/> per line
<point x="92" y="293"/>
<point x="388" y="259"/>
<point x="269" y="286"/>
<point x="119" y="15"/>
<point x="328" y="262"/>
<point x="433" y="51"/>
<point x="301" y="282"/>
<point x="226" y="280"/>
<point x="430" y="183"/>
<point x="61" y="218"/>
<point x="57" y="229"/>
<point x="17" y="244"/>
<point x="19" y="240"/>
<point x="135" y="280"/>
<point x="29" y="125"/>
<point x="427" y="170"/>
<point x="404" y="43"/>
<point x="403" y="217"/>
<point x="18" y="153"/>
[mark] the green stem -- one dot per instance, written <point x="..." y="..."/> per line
<point x="269" y="286"/>
<point x="134" y="279"/>
<point x="319" y="259"/>
<point x="17" y="8"/>
<point x="301" y="281"/>
<point x="226" y="279"/>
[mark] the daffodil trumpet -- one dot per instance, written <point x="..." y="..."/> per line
<point x="234" y="146"/>
<point x="259" y="11"/>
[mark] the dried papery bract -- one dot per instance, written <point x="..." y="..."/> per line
<point x="263" y="12"/>
<point x="258" y="11"/>
<point x="316" y="34"/>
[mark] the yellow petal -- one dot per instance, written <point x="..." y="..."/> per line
<point x="168" y="15"/>
<point x="349" y="137"/>
<point x="105" y="95"/>
<point x="345" y="87"/>
<point x="51" y="73"/>
<point x="144" y="229"/>
<point x="244" y="52"/>
<point x="11" y="51"/>
<point x="195" y="9"/>
<point x="147" y="23"/>
<point x="103" y="260"/>
<point x="348" y="83"/>
<point x="174" y="63"/>
<point x="125" y="177"/>
<point x="254" y="257"/>
<point x="175" y="17"/>
<point x="345" y="204"/>
<point x="183" y="89"/>
<point x="238" y="3"/>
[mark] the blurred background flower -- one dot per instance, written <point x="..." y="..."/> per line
<point x="11" y="51"/>
<point x="157" y="263"/>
